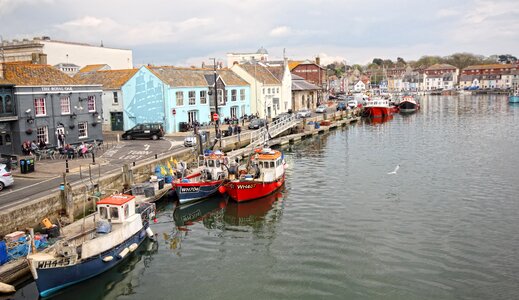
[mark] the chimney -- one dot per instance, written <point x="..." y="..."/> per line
<point x="318" y="60"/>
<point x="43" y="58"/>
<point x="35" y="58"/>
<point x="1" y="70"/>
<point x="203" y="65"/>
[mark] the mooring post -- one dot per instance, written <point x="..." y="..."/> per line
<point x="66" y="165"/>
<point x="93" y="158"/>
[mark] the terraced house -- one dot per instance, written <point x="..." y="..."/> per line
<point x="40" y="102"/>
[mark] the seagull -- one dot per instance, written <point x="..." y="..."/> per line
<point x="396" y="170"/>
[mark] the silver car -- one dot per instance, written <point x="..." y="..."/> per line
<point x="6" y="178"/>
<point x="304" y="113"/>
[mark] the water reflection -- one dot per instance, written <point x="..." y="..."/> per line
<point x="379" y="120"/>
<point x="254" y="213"/>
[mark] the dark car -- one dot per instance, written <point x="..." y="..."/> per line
<point x="341" y="106"/>
<point x="152" y="131"/>
<point x="257" y="123"/>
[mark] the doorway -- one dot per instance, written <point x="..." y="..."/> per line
<point x="116" y="119"/>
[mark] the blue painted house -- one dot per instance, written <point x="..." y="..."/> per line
<point x="189" y="96"/>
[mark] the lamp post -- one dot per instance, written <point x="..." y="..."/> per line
<point x="215" y="92"/>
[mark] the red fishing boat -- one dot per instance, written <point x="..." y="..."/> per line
<point x="263" y="175"/>
<point x="378" y="108"/>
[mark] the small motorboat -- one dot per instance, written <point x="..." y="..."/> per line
<point x="514" y="98"/>
<point x="408" y="104"/>
<point x="377" y="108"/>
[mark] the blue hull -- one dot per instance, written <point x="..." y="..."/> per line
<point x="54" y="279"/>
<point x="513" y="99"/>
<point x="193" y="191"/>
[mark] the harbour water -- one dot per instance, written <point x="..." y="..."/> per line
<point x="445" y="226"/>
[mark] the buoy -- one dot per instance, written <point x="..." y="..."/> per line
<point x="123" y="253"/>
<point x="279" y="183"/>
<point x="6" y="288"/>
<point x="133" y="247"/>
<point x="149" y="232"/>
<point x="155" y="220"/>
<point x="108" y="258"/>
<point x="221" y="189"/>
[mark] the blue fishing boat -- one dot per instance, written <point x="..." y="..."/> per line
<point x="98" y="243"/>
<point x="205" y="180"/>
<point x="514" y="98"/>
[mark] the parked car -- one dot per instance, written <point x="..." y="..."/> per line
<point x="257" y="123"/>
<point x="190" y="141"/>
<point x="341" y="106"/>
<point x="304" y="113"/>
<point x="6" y="178"/>
<point x="321" y="109"/>
<point x="152" y="131"/>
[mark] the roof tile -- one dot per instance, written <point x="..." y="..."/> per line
<point x="32" y="74"/>
<point x="111" y="80"/>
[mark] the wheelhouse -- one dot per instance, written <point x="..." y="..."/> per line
<point x="116" y="208"/>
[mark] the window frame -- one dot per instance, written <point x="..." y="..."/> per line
<point x="67" y="105"/>
<point x="242" y="94"/>
<point x="179" y="100"/>
<point x="203" y="97"/>
<point x="191" y="96"/>
<point x="42" y="131"/>
<point x="91" y="103"/>
<point x="115" y="100"/>
<point x="39" y="109"/>
<point x="85" y="129"/>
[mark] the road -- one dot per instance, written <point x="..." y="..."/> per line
<point x="26" y="189"/>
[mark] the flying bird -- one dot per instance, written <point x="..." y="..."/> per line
<point x="394" y="171"/>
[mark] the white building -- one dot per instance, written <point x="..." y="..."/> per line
<point x="359" y="86"/>
<point x="44" y="50"/>
<point x="236" y="57"/>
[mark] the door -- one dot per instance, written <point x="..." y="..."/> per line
<point x="60" y="136"/>
<point x="116" y="119"/>
<point x="192" y="116"/>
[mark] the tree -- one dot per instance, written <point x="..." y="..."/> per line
<point x="377" y="61"/>
<point x="400" y="62"/>
<point x="506" y="59"/>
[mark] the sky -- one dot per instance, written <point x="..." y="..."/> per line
<point x="186" y="33"/>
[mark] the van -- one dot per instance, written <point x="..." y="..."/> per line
<point x="152" y="131"/>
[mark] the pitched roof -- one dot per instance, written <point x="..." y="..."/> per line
<point x="181" y="77"/>
<point x="32" y="74"/>
<point x="111" y="80"/>
<point x="441" y="67"/>
<point x="293" y="63"/>
<point x="299" y="84"/>
<point x="490" y="66"/>
<point x="4" y="82"/>
<point x="261" y="73"/>
<point x="93" y="68"/>
<point x="277" y="72"/>
<point x="231" y="78"/>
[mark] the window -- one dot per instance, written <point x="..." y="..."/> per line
<point x="91" y="103"/>
<point x="1" y="105"/>
<point x="221" y="100"/>
<point x="114" y="213"/>
<point x="103" y="212"/>
<point x="65" y="105"/>
<point x="39" y="107"/>
<point x="1" y="140"/>
<point x="180" y="98"/>
<point x="116" y="98"/>
<point x="7" y="139"/>
<point x="126" y="211"/>
<point x="82" y="129"/>
<point x="277" y="90"/>
<point x="233" y="95"/>
<point x="42" y="133"/>
<point x="203" y="97"/>
<point x="192" y="98"/>
<point x="242" y="95"/>
<point x="268" y="91"/>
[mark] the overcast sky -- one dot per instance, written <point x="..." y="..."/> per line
<point x="189" y="32"/>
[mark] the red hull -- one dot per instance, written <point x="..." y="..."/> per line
<point x="378" y="112"/>
<point x="241" y="191"/>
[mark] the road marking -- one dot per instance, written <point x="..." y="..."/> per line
<point x="172" y="145"/>
<point x="26" y="187"/>
<point x="146" y="147"/>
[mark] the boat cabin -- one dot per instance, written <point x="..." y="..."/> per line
<point x="270" y="163"/>
<point x="214" y="165"/>
<point x="116" y="208"/>
<point x="377" y="102"/>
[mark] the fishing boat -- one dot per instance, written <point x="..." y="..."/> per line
<point x="98" y="243"/>
<point x="204" y="181"/>
<point x="377" y="108"/>
<point x="263" y="175"/>
<point x="514" y="98"/>
<point x="408" y="104"/>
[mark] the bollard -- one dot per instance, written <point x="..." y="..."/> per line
<point x="93" y="158"/>
<point x="133" y="163"/>
<point x="156" y="156"/>
<point x="66" y="166"/>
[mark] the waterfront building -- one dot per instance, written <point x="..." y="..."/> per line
<point x="282" y="73"/>
<point x="243" y="57"/>
<point x="313" y="72"/>
<point x="189" y="95"/>
<point x="265" y="89"/>
<point x="40" y="103"/>
<point x="360" y="86"/>
<point x="116" y="86"/>
<point x="304" y="93"/>
<point x="440" y="76"/>
<point x="69" y="69"/>
<point x="44" y="50"/>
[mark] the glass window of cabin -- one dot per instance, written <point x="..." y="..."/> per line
<point x="272" y="165"/>
<point x="114" y="213"/>
<point x="217" y="163"/>
<point x="126" y="211"/>
<point x="103" y="212"/>
<point x="211" y="163"/>
<point x="265" y="164"/>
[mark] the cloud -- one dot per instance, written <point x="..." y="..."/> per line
<point x="7" y="6"/>
<point x="280" y="31"/>
<point x="443" y="13"/>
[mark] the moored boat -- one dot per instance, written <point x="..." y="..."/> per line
<point x="408" y="104"/>
<point x="514" y="98"/>
<point x="100" y="242"/>
<point x="377" y="108"/>
<point x="264" y="174"/>
<point x="205" y="181"/>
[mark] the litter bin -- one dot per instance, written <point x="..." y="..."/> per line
<point x="30" y="165"/>
<point x="23" y="166"/>
<point x="317" y="125"/>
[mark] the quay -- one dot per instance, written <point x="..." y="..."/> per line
<point x="76" y="198"/>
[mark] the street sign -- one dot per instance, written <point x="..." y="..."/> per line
<point x="174" y="111"/>
<point x="215" y="117"/>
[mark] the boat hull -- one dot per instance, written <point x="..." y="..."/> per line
<point x="407" y="107"/>
<point x="241" y="191"/>
<point x="377" y="112"/>
<point x="513" y="99"/>
<point x="51" y="280"/>
<point x="192" y="191"/>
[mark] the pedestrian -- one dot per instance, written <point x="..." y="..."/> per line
<point x="42" y="144"/>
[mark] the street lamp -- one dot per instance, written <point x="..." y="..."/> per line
<point x="215" y="93"/>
